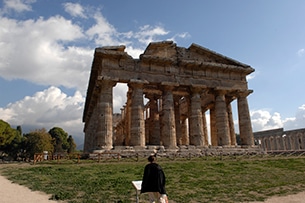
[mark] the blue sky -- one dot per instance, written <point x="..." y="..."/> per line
<point x="47" y="49"/>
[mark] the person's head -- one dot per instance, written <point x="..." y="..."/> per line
<point x="152" y="158"/>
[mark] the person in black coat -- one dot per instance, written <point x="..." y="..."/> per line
<point x="153" y="181"/>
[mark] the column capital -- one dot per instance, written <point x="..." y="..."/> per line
<point x="244" y="93"/>
<point x="137" y="83"/>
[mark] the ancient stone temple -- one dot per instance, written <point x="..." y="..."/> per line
<point x="280" y="140"/>
<point x="181" y="86"/>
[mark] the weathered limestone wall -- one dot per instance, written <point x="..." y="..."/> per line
<point x="181" y="84"/>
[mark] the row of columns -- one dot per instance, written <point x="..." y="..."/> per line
<point x="282" y="143"/>
<point x="165" y="124"/>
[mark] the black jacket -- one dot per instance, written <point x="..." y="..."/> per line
<point x="153" y="179"/>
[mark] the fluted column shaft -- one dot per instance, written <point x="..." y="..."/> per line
<point x="245" y="128"/>
<point x="154" y="122"/>
<point x="104" y="131"/>
<point x="222" y="124"/>
<point x="177" y="119"/>
<point x="184" y="140"/>
<point x="205" y="128"/>
<point x="214" y="139"/>
<point x="168" y="126"/>
<point x="128" y="118"/>
<point x="231" y="123"/>
<point x="137" y="131"/>
<point x="196" y="123"/>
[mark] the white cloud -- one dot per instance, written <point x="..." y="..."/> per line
<point x="42" y="56"/>
<point x="46" y="109"/>
<point x="301" y="52"/>
<point x="264" y="120"/>
<point x="17" y="5"/>
<point x="75" y="10"/>
<point x="298" y="121"/>
<point x="58" y="52"/>
<point x="103" y="33"/>
<point x="148" y="33"/>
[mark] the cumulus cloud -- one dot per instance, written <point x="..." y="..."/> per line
<point x="46" y="109"/>
<point x="17" y="5"/>
<point x="33" y="50"/>
<point x="58" y="52"/>
<point x="264" y="120"/>
<point x="298" y="121"/>
<point x="75" y="9"/>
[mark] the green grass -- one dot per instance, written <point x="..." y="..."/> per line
<point x="195" y="180"/>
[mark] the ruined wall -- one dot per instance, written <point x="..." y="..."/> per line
<point x="280" y="140"/>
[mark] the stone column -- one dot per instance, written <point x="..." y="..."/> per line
<point x="196" y="123"/>
<point x="231" y="122"/>
<point x="184" y="140"/>
<point x="154" y="122"/>
<point x="104" y="131"/>
<point x="205" y="127"/>
<point x="168" y="125"/>
<point x="214" y="139"/>
<point x="177" y="119"/>
<point x="222" y="123"/>
<point x="137" y="131"/>
<point x="245" y="128"/>
<point x="128" y="117"/>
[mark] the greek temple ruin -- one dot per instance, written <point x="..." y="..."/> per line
<point x="279" y="140"/>
<point x="181" y="86"/>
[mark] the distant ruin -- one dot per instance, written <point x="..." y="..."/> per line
<point x="278" y="140"/>
<point x="180" y="85"/>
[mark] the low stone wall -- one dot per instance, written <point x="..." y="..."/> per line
<point x="179" y="152"/>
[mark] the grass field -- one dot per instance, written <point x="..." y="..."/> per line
<point x="188" y="180"/>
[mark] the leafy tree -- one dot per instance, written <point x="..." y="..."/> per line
<point x="7" y="134"/>
<point x="72" y="145"/>
<point x="60" y="139"/>
<point x="19" y="129"/>
<point x="38" y="141"/>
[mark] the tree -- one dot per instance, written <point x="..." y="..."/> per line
<point x="60" y="139"/>
<point x="38" y="141"/>
<point x="7" y="134"/>
<point x="72" y="145"/>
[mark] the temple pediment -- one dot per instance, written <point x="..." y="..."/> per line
<point x="169" y="52"/>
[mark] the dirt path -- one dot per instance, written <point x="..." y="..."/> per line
<point x="12" y="193"/>
<point x="297" y="198"/>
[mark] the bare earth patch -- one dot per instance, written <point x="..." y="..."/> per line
<point x="12" y="193"/>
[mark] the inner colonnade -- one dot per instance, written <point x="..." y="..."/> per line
<point x="181" y="86"/>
